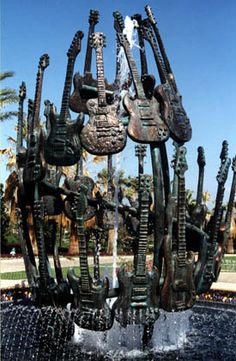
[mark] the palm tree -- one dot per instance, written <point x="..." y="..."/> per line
<point x="8" y="96"/>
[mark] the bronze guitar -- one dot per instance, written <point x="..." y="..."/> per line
<point x="20" y="149"/>
<point x="145" y="123"/>
<point x="178" y="292"/>
<point x="167" y="93"/>
<point x="34" y="169"/>
<point x="138" y="300"/>
<point x="85" y="87"/>
<point x="104" y="133"/>
<point x="62" y="147"/>
<point x="91" y="310"/>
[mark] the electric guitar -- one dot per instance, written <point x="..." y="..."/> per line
<point x="199" y="212"/>
<point x="138" y="299"/>
<point x="34" y="169"/>
<point x="167" y="93"/>
<point x="20" y="150"/>
<point x="91" y="310"/>
<point x="62" y="147"/>
<point x="178" y="292"/>
<point x="145" y="123"/>
<point x="218" y="256"/>
<point x="104" y="133"/>
<point x="204" y="273"/>
<point x="85" y="87"/>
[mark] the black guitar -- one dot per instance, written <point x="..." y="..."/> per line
<point x="62" y="147"/>
<point x="91" y="310"/>
<point x="167" y="93"/>
<point x="178" y="292"/>
<point x="145" y="123"/>
<point x="85" y="87"/>
<point x="34" y="169"/>
<point x="198" y="215"/>
<point x="104" y="133"/>
<point x="221" y="249"/>
<point x="138" y="300"/>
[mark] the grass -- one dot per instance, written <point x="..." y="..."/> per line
<point x="228" y="265"/>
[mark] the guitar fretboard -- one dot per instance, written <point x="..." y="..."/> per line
<point x="181" y="222"/>
<point x="66" y="92"/>
<point x="83" y="256"/>
<point x="100" y="77"/>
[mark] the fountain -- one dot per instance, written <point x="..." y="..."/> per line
<point x="150" y="311"/>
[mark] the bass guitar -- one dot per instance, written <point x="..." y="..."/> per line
<point x="85" y="87"/>
<point x="34" y="169"/>
<point x="62" y="147"/>
<point x="178" y="292"/>
<point x="104" y="133"/>
<point x="145" y="123"/>
<point x="138" y="299"/>
<point x="167" y="93"/>
<point x="91" y="310"/>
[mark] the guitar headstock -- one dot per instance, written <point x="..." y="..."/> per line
<point x="123" y="40"/>
<point x="223" y="171"/>
<point x="138" y="18"/>
<point x="79" y="203"/>
<point x="97" y="40"/>
<point x="234" y="164"/>
<point x="22" y="91"/>
<point x="201" y="157"/>
<point x="181" y="162"/>
<point x="93" y="17"/>
<point x="44" y="61"/>
<point x="119" y="24"/>
<point x="75" y="46"/>
<point x="145" y="30"/>
<point x="30" y="106"/>
<point x="140" y="150"/>
<point x="150" y="14"/>
<point x="224" y="151"/>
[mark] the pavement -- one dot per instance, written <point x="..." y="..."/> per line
<point x="225" y="282"/>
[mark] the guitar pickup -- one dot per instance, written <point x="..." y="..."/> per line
<point x="138" y="304"/>
<point x="139" y="291"/>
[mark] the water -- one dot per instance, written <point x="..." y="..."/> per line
<point x="202" y="333"/>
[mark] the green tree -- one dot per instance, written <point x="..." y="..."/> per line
<point x="5" y="219"/>
<point x="8" y="96"/>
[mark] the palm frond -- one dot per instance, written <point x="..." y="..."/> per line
<point x="7" y="115"/>
<point x="6" y="74"/>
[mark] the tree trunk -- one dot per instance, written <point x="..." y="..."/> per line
<point x="111" y="235"/>
<point x="74" y="244"/>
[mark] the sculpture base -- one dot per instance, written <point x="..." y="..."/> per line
<point x="206" y="332"/>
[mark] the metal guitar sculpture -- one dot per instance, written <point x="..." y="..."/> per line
<point x="145" y="123"/>
<point x="89" y="297"/>
<point x="34" y="169"/>
<point x="167" y="93"/>
<point x="204" y="270"/>
<point x="62" y="146"/>
<point x="85" y="87"/>
<point x="198" y="215"/>
<point x="178" y="291"/>
<point x="138" y="300"/>
<point x="104" y="133"/>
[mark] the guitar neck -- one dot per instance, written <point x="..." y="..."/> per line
<point x="200" y="185"/>
<point x="161" y="45"/>
<point x="100" y="77"/>
<point x="83" y="256"/>
<point x="143" y="58"/>
<point x="133" y="70"/>
<point x="19" y="142"/>
<point x="181" y="221"/>
<point x="230" y="207"/>
<point x="66" y="91"/>
<point x="37" y="101"/>
<point x="88" y="56"/>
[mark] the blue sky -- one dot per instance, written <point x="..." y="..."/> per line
<point x="199" y="37"/>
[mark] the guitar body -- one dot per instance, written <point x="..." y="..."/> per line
<point x="173" y="113"/>
<point x="104" y="133"/>
<point x="178" y="291"/>
<point x="62" y="147"/>
<point x="91" y="310"/>
<point x="128" y="310"/>
<point x="145" y="124"/>
<point x="34" y="170"/>
<point x="85" y="88"/>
